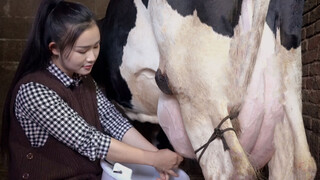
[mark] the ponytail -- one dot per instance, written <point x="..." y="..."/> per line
<point x="36" y="54"/>
<point x="33" y="58"/>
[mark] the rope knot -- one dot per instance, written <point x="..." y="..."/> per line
<point x="218" y="133"/>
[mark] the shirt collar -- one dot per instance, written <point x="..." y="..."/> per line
<point x="63" y="77"/>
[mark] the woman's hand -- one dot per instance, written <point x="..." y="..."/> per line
<point x="163" y="176"/>
<point x="165" y="161"/>
<point x="166" y="176"/>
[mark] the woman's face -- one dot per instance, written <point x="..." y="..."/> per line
<point x="83" y="54"/>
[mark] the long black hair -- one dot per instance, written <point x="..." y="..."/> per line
<point x="56" y="21"/>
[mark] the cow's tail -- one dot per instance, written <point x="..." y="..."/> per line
<point x="260" y="11"/>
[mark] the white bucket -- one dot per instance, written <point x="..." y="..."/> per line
<point x="139" y="172"/>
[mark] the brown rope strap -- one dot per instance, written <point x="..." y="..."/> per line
<point x="218" y="133"/>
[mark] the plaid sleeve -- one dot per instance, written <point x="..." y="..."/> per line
<point x="111" y="119"/>
<point x="39" y="109"/>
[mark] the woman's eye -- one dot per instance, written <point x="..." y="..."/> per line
<point x="82" y="52"/>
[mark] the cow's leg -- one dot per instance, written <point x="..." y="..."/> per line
<point x="304" y="164"/>
<point x="281" y="166"/>
<point x="243" y="169"/>
<point x="216" y="163"/>
<point x="300" y="162"/>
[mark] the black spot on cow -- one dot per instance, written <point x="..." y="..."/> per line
<point x="286" y="15"/>
<point x="221" y="15"/>
<point x="145" y="2"/>
<point x="163" y="82"/>
<point x="114" y="28"/>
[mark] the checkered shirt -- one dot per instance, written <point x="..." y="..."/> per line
<point x="42" y="112"/>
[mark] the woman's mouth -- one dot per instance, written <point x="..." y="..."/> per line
<point x="87" y="67"/>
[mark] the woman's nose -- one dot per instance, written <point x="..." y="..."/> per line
<point x="91" y="56"/>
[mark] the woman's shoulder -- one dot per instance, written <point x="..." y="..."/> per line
<point x="39" y="79"/>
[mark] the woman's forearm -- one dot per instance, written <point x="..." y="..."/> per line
<point x="134" y="138"/>
<point x="140" y="151"/>
<point x="125" y="153"/>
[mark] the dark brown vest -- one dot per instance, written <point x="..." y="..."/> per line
<point x="54" y="160"/>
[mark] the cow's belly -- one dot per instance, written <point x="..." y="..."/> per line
<point x="262" y="107"/>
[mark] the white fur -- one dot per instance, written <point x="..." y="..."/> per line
<point x="140" y="62"/>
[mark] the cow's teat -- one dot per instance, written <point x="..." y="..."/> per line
<point x="163" y="82"/>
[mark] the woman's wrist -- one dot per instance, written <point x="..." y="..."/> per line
<point x="151" y="157"/>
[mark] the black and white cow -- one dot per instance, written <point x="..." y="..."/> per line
<point x="216" y="62"/>
<point x="128" y="59"/>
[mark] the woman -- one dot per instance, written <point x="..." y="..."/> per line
<point x="57" y="122"/>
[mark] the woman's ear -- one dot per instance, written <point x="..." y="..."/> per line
<point x="53" y="48"/>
